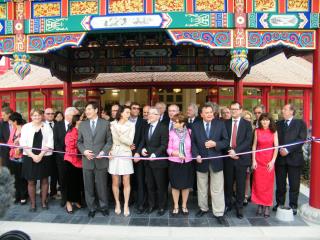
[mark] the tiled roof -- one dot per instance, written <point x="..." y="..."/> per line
<point x="277" y="69"/>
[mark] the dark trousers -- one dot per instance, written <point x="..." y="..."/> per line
<point x="21" y="185"/>
<point x="139" y="184"/>
<point x="233" y="172"/>
<point x="73" y="183"/>
<point x="96" y="184"/>
<point x="60" y="163"/>
<point x="53" y="176"/>
<point x="157" y="186"/>
<point x="293" y="173"/>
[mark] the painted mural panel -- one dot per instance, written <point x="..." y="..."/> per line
<point x="169" y="5"/>
<point x="83" y="7"/>
<point x="126" y="6"/>
<point x="298" y="5"/>
<point x="210" y="5"/>
<point x="51" y="9"/>
<point x="265" y="5"/>
<point x="3" y="11"/>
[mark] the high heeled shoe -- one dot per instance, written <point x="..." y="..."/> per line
<point x="266" y="212"/>
<point x="259" y="210"/>
<point x="126" y="212"/>
<point x="117" y="211"/>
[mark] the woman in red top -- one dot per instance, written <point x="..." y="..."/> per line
<point x="263" y="164"/>
<point x="73" y="164"/>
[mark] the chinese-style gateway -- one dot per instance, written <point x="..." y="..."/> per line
<point x="81" y="40"/>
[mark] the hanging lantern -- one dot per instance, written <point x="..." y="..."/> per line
<point x="239" y="62"/>
<point x="21" y="64"/>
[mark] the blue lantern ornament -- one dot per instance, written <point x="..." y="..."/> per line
<point x="21" y="64"/>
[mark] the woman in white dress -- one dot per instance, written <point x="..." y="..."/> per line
<point x="122" y="134"/>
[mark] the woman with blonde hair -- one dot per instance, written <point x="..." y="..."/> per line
<point x="36" y="164"/>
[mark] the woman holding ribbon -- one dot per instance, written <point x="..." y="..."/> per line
<point x="265" y="136"/>
<point x="122" y="135"/>
<point x="73" y="167"/>
<point x="36" y="164"/>
<point x="181" y="171"/>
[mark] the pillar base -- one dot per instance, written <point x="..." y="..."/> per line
<point x="310" y="214"/>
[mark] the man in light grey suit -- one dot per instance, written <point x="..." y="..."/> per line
<point x="94" y="141"/>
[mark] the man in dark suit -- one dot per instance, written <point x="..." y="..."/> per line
<point x="290" y="159"/>
<point x="154" y="144"/>
<point x="192" y="113"/>
<point x="138" y="178"/>
<point x="162" y="108"/>
<point x="5" y="130"/>
<point x="235" y="167"/>
<point x="95" y="141"/>
<point x="209" y="139"/>
<point x="59" y="133"/>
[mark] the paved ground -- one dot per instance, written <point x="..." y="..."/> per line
<point x="56" y="214"/>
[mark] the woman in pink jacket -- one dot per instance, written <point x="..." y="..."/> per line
<point x="181" y="171"/>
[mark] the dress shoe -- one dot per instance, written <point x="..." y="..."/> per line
<point x="240" y="213"/>
<point x="105" y="212"/>
<point x="294" y="210"/>
<point x="228" y="209"/>
<point x="69" y="211"/>
<point x="200" y="213"/>
<point x="140" y="210"/>
<point x="161" y="212"/>
<point x="222" y="220"/>
<point x="91" y="214"/>
<point x="150" y="210"/>
<point x="275" y="208"/>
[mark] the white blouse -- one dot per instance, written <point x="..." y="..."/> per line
<point x="27" y="134"/>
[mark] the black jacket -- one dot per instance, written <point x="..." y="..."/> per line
<point x="244" y="140"/>
<point x="218" y="133"/>
<point x="59" y="134"/>
<point x="139" y="131"/>
<point x="158" y="145"/>
<point x="4" y="137"/>
<point x="295" y="132"/>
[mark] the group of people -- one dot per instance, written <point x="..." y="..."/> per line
<point x="145" y="153"/>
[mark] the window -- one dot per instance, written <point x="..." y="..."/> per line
<point x="57" y="100"/>
<point x="22" y="104"/>
<point x="37" y="100"/>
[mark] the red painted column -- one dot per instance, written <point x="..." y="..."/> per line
<point x="306" y="106"/>
<point x="67" y="94"/>
<point x="265" y="98"/>
<point x="238" y="90"/>
<point x="314" y="200"/>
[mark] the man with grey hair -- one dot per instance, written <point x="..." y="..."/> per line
<point x="154" y="144"/>
<point x="162" y="107"/>
<point x="173" y="109"/>
<point x="192" y="113"/>
<point x="59" y="133"/>
<point x="257" y="111"/>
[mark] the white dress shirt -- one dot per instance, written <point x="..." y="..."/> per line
<point x="66" y="124"/>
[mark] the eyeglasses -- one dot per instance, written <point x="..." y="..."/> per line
<point x="257" y="112"/>
<point x="135" y="108"/>
<point x="49" y="113"/>
<point x="153" y="113"/>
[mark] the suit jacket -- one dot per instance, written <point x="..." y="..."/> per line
<point x="244" y="140"/>
<point x="4" y="137"/>
<point x="139" y="130"/>
<point x="100" y="140"/>
<point x="197" y="119"/>
<point x="218" y="133"/>
<point x="166" y="119"/>
<point x="59" y="134"/>
<point x="296" y="131"/>
<point x="158" y="144"/>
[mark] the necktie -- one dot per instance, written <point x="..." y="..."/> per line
<point x="93" y="127"/>
<point x="50" y="123"/>
<point x="208" y="130"/>
<point x="171" y="126"/>
<point x="150" y="132"/>
<point x="234" y="135"/>
<point x="190" y="120"/>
